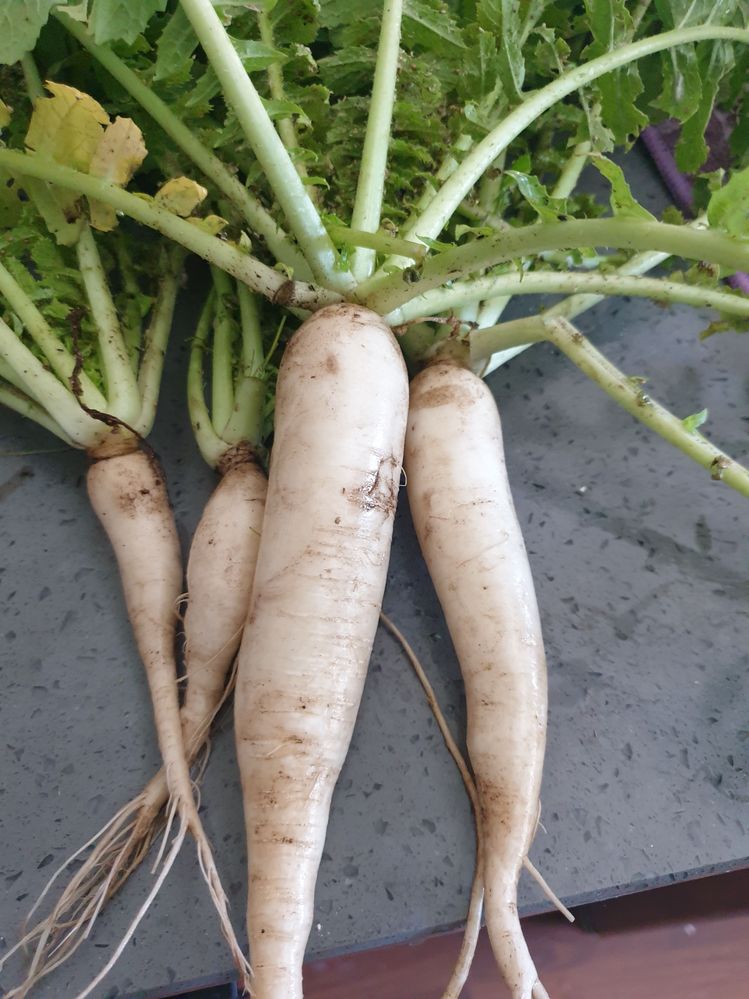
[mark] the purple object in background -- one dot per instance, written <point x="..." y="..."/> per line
<point x="660" y="141"/>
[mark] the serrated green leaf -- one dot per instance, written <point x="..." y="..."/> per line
<point x="254" y="55"/>
<point x="696" y="420"/>
<point x="729" y="206"/>
<point x="20" y="24"/>
<point x="547" y="208"/>
<point x="430" y="23"/>
<point x="349" y="71"/>
<point x="122" y="20"/>
<point x="715" y="60"/>
<point x="611" y="26"/>
<point x="623" y="203"/>
<point x="175" y="46"/>
<point x="501" y="18"/>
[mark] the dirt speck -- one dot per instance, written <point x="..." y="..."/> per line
<point x="440" y="395"/>
<point x="331" y="364"/>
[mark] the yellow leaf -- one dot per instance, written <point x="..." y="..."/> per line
<point x="67" y="126"/>
<point x="5" y="113"/>
<point x="120" y="152"/>
<point x="212" y="224"/>
<point x="181" y="196"/>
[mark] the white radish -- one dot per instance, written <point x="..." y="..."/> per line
<point x="469" y="534"/>
<point x="220" y="570"/>
<point x="341" y="408"/>
<point x="128" y="494"/>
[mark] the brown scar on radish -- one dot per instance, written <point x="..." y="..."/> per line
<point x="380" y="492"/>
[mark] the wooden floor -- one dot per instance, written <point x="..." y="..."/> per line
<point x="684" y="942"/>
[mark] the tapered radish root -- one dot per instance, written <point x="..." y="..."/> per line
<point x="129" y="496"/>
<point x="341" y="407"/>
<point x="468" y="531"/>
<point x="220" y="570"/>
<point x="475" y="905"/>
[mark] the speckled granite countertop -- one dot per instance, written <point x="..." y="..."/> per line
<point x="643" y="577"/>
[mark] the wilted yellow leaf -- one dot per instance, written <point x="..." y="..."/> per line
<point x="181" y="196"/>
<point x="120" y="152"/>
<point x="212" y="224"/>
<point x="67" y="126"/>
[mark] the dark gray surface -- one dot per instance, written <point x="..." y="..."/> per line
<point x="642" y="574"/>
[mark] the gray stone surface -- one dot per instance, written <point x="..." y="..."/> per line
<point x="642" y="573"/>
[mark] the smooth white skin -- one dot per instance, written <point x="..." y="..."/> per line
<point x="341" y="409"/>
<point x="220" y="571"/>
<point x="128" y="494"/>
<point x="469" y="534"/>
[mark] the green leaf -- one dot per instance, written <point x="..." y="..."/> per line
<point x="430" y="23"/>
<point x="611" y="26"/>
<point x="728" y="208"/>
<point x="715" y="60"/>
<point x="436" y="244"/>
<point x="502" y="19"/>
<point x="623" y="203"/>
<point x="547" y="208"/>
<point x="693" y="422"/>
<point x="122" y="20"/>
<point x="175" y="46"/>
<point x="20" y="24"/>
<point x="349" y="71"/>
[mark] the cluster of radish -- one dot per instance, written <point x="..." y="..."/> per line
<point x="286" y="574"/>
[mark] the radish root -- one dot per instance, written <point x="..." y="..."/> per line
<point x="475" y="905"/>
<point x="120" y="847"/>
<point x="473" y="918"/>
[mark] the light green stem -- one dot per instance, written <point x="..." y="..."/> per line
<point x="123" y="399"/>
<point x="526" y="241"/>
<point x="31" y="78"/>
<point x="224" y="334"/>
<point x="570" y="174"/>
<point x="20" y="403"/>
<point x="60" y="360"/>
<point x="210" y="444"/>
<point x="258" y="219"/>
<point x="431" y="222"/>
<point x="377" y="241"/>
<point x="256" y="275"/>
<point x="286" y="128"/>
<point x="564" y="282"/>
<point x="280" y="172"/>
<point x="51" y="395"/>
<point x="631" y="397"/>
<point x="252" y="334"/>
<point x="246" y="420"/>
<point x="639" y="12"/>
<point x="370" y="185"/>
<point x="131" y="320"/>
<point x="156" y="339"/>
<point x="567" y="308"/>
